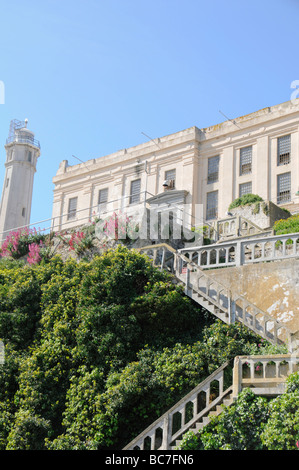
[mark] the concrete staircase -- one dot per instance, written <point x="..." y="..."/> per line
<point x="265" y="375"/>
<point x="227" y="305"/>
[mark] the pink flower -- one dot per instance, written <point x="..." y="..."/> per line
<point x="34" y="254"/>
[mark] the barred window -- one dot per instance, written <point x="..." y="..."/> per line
<point x="72" y="208"/>
<point x="213" y="169"/>
<point x="283" y="188"/>
<point x="170" y="176"/>
<point x="284" y="150"/>
<point x="212" y="205"/>
<point x="135" y="191"/>
<point x="245" y="160"/>
<point x="103" y="199"/>
<point x="245" y="188"/>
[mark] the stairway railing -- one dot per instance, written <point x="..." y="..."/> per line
<point x="172" y="424"/>
<point x="233" y="306"/>
<point x="244" y="251"/>
<point x="265" y="375"/>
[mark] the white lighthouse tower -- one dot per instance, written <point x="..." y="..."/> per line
<point x="22" y="152"/>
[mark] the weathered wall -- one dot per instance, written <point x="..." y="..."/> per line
<point x="263" y="213"/>
<point x="273" y="287"/>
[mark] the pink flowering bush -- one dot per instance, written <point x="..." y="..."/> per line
<point x="118" y="227"/>
<point x="34" y="256"/>
<point x="115" y="226"/>
<point x="17" y="242"/>
<point x="80" y="241"/>
<point x="77" y="241"/>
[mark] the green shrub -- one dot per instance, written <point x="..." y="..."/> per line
<point x="244" y="200"/>
<point x="95" y="351"/>
<point x="284" y="226"/>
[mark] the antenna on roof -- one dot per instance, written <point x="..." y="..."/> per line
<point x="79" y="160"/>
<point x="151" y="139"/>
<point x="234" y="122"/>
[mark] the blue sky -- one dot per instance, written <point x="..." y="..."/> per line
<point x="92" y="75"/>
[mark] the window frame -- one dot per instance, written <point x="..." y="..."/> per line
<point x="72" y="212"/>
<point x="134" y="195"/>
<point x="102" y="205"/>
<point x="214" y="209"/>
<point x="213" y="162"/>
<point x="284" y="196"/>
<point x="284" y="158"/>
<point x="171" y="178"/>
<point x="243" y="185"/>
<point x="242" y="170"/>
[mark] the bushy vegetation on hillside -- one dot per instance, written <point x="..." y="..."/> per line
<point x="244" y="200"/>
<point x="95" y="351"/>
<point x="289" y="225"/>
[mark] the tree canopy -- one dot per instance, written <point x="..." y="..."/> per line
<point x="97" y="350"/>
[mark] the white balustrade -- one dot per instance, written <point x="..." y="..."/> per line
<point x="265" y="375"/>
<point x="245" y="251"/>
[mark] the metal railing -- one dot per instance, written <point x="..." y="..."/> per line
<point x="84" y="215"/>
<point x="23" y="140"/>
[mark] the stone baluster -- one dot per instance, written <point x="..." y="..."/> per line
<point x="208" y="257"/>
<point x="163" y="258"/>
<point x="284" y="247"/>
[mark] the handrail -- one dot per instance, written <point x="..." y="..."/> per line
<point x="158" y="245"/>
<point x="268" y="380"/>
<point x="23" y="139"/>
<point x="239" y="247"/>
<point x="69" y="222"/>
<point x="164" y="422"/>
<point x="258" y="326"/>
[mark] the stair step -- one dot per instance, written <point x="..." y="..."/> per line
<point x="228" y="401"/>
<point x="205" y="420"/>
<point x="198" y="426"/>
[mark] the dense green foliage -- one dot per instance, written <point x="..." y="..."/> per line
<point x="244" y="200"/>
<point x="290" y="225"/>
<point x="252" y="423"/>
<point x="95" y="351"/>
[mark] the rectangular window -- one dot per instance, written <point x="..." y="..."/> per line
<point x="170" y="177"/>
<point x="135" y="191"/>
<point x="72" y="209"/>
<point x="213" y="169"/>
<point x="284" y="150"/>
<point x="103" y="199"/>
<point x="283" y="188"/>
<point x="245" y="188"/>
<point x="245" y="160"/>
<point x="212" y="205"/>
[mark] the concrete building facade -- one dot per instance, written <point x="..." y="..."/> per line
<point x="210" y="167"/>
